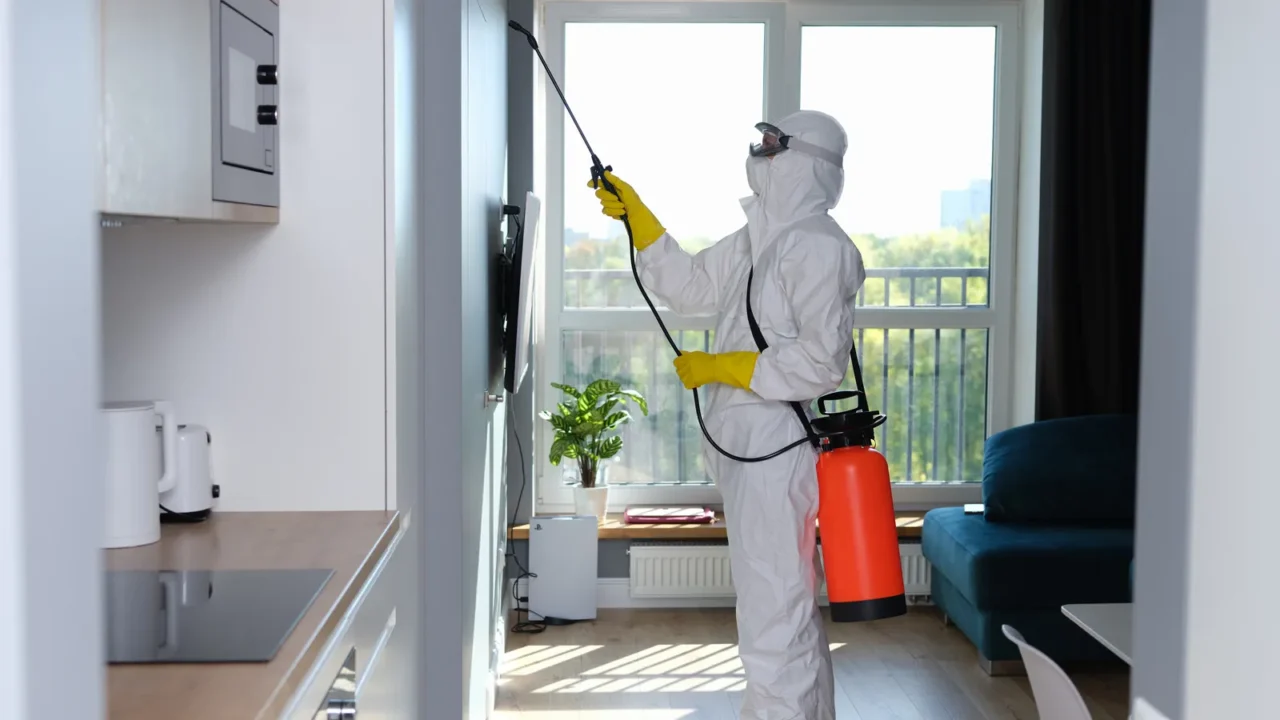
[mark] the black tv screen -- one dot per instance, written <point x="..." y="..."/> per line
<point x="521" y="264"/>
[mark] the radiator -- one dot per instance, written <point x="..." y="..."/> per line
<point x="688" y="570"/>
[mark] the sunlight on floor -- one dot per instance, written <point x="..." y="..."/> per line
<point x="536" y="658"/>
<point x="703" y="668"/>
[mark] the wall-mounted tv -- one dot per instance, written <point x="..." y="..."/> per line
<point x="520" y="262"/>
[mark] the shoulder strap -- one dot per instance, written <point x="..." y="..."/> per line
<point x="761" y="345"/>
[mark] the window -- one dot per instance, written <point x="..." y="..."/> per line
<point x="669" y="93"/>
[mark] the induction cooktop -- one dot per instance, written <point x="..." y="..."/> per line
<point x="205" y="616"/>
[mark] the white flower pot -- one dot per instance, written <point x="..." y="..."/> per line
<point x="591" y="501"/>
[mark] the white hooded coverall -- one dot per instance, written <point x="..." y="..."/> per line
<point x="807" y="275"/>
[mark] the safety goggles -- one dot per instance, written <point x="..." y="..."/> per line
<point x="774" y="141"/>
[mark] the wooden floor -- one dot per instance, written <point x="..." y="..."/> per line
<point x="682" y="664"/>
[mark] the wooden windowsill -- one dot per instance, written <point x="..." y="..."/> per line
<point x="613" y="528"/>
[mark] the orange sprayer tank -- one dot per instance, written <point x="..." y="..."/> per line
<point x="856" y="523"/>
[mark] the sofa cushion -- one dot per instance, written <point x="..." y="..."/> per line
<point x="1047" y="629"/>
<point x="1078" y="470"/>
<point x="1011" y="566"/>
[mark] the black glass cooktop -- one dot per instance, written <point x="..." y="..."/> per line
<point x="205" y="616"/>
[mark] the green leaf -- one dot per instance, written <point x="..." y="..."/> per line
<point x="601" y="388"/>
<point x="608" y="406"/>
<point x="616" y="419"/>
<point x="639" y="400"/>
<point x="588" y="427"/>
<point x="545" y="415"/>
<point x="567" y="389"/>
<point x="610" y="447"/>
<point x="557" y="450"/>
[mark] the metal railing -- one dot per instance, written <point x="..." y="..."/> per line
<point x="943" y="287"/>
<point x="930" y="381"/>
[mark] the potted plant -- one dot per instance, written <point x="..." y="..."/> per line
<point x="586" y="429"/>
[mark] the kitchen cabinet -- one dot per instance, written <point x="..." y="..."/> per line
<point x="367" y="664"/>
<point x="190" y="110"/>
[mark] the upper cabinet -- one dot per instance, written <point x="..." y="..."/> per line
<point x="190" y="107"/>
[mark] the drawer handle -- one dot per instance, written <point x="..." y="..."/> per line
<point x="340" y="700"/>
<point x="378" y="648"/>
<point x="341" y="710"/>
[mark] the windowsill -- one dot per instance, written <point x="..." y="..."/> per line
<point x="613" y="528"/>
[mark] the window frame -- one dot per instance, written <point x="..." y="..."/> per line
<point x="783" y="24"/>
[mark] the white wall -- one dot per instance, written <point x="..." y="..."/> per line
<point x="50" y="470"/>
<point x="1206" y="627"/>
<point x="275" y="338"/>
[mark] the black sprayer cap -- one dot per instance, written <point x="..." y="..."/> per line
<point x="854" y="428"/>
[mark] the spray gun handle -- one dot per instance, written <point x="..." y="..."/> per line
<point x="598" y="170"/>
<point x="597" y="176"/>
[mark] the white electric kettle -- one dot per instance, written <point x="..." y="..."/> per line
<point x="136" y="473"/>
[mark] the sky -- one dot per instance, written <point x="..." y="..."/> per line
<point x="672" y="107"/>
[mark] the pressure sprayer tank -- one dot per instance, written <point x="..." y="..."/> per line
<point x="856" y="524"/>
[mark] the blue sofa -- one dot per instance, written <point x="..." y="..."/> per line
<point x="1057" y="528"/>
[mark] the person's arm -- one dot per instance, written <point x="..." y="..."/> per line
<point x="822" y="278"/>
<point x="688" y="284"/>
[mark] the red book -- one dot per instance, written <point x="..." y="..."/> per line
<point x="668" y="515"/>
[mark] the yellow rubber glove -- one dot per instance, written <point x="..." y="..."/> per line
<point x="645" y="228"/>
<point x="733" y="368"/>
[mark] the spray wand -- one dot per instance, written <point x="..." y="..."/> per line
<point x="598" y="170"/>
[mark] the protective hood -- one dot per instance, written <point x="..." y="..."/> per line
<point x="793" y="185"/>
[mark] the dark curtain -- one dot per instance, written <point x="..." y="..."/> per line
<point x="1093" y="178"/>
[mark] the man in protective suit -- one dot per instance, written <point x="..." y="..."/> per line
<point x="803" y="274"/>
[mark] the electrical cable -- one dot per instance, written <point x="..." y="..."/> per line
<point x="528" y="626"/>
<point x="598" y="170"/>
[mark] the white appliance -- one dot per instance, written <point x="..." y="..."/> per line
<point x="563" y="553"/>
<point x="191" y="498"/>
<point x="136" y="474"/>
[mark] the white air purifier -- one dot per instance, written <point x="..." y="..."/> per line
<point x="562" y="556"/>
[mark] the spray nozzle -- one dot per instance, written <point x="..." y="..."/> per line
<point x="533" y="43"/>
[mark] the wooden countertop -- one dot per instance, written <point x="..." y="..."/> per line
<point x="350" y="543"/>
<point x="613" y="528"/>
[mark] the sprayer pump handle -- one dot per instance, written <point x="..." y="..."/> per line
<point x="835" y="396"/>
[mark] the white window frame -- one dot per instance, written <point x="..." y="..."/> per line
<point x="783" y="23"/>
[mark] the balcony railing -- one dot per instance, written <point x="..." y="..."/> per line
<point x="931" y="382"/>
<point x="944" y="287"/>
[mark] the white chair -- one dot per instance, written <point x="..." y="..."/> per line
<point x="1056" y="696"/>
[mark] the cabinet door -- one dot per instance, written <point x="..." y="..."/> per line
<point x="248" y="140"/>
<point x="386" y="688"/>
<point x="382" y="678"/>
